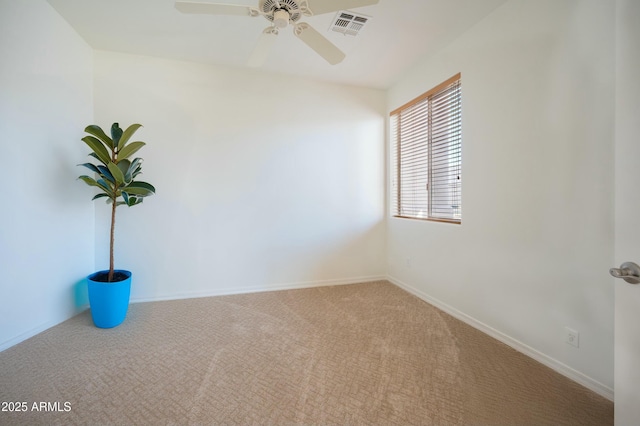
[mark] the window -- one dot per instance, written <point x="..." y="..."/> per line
<point x="426" y="155"/>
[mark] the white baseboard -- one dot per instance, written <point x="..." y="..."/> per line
<point x="550" y="362"/>
<point x="259" y="289"/>
<point x="26" y="335"/>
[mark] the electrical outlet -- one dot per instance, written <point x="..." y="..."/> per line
<point x="572" y="337"/>
<point x="408" y="262"/>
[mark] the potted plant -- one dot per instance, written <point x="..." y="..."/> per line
<point x="115" y="175"/>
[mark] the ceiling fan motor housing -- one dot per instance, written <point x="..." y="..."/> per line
<point x="281" y="12"/>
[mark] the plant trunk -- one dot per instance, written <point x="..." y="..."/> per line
<point x="112" y="239"/>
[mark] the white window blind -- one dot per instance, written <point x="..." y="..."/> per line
<point x="426" y="155"/>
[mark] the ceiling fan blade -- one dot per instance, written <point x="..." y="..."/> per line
<point x="263" y="47"/>
<point x="319" y="43"/>
<point x="319" y="7"/>
<point x="213" y="8"/>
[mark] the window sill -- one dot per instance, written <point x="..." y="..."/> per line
<point x="431" y="219"/>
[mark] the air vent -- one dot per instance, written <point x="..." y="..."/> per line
<point x="349" y="23"/>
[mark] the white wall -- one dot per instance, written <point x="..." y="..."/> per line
<point x="47" y="218"/>
<point x="263" y="181"/>
<point x="536" y="241"/>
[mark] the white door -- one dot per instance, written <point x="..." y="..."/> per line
<point x="627" y="205"/>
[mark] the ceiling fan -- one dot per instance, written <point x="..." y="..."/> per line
<point x="281" y="13"/>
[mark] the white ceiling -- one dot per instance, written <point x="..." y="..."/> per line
<point x="399" y="33"/>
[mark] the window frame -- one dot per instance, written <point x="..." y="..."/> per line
<point x="396" y="158"/>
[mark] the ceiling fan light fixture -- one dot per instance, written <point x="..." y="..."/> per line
<point x="281" y="18"/>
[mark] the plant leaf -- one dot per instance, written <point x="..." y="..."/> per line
<point x="92" y="182"/>
<point x="136" y="163"/>
<point x="102" y="195"/>
<point x="100" y="134"/>
<point x="98" y="148"/>
<point x="116" y="172"/>
<point x="127" y="135"/>
<point x="93" y="154"/>
<point x="131" y="200"/>
<point x="136" y="167"/>
<point x="125" y="168"/>
<point x="105" y="186"/>
<point x="141" y="189"/>
<point x="130" y="149"/>
<point x="140" y="192"/>
<point x="105" y="173"/>
<point x="142" y="185"/>
<point x="116" y="134"/>
<point x="91" y="167"/>
<point x="89" y="181"/>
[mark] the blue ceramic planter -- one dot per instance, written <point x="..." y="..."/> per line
<point x="109" y="301"/>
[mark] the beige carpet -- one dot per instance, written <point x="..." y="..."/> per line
<point x="346" y="355"/>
